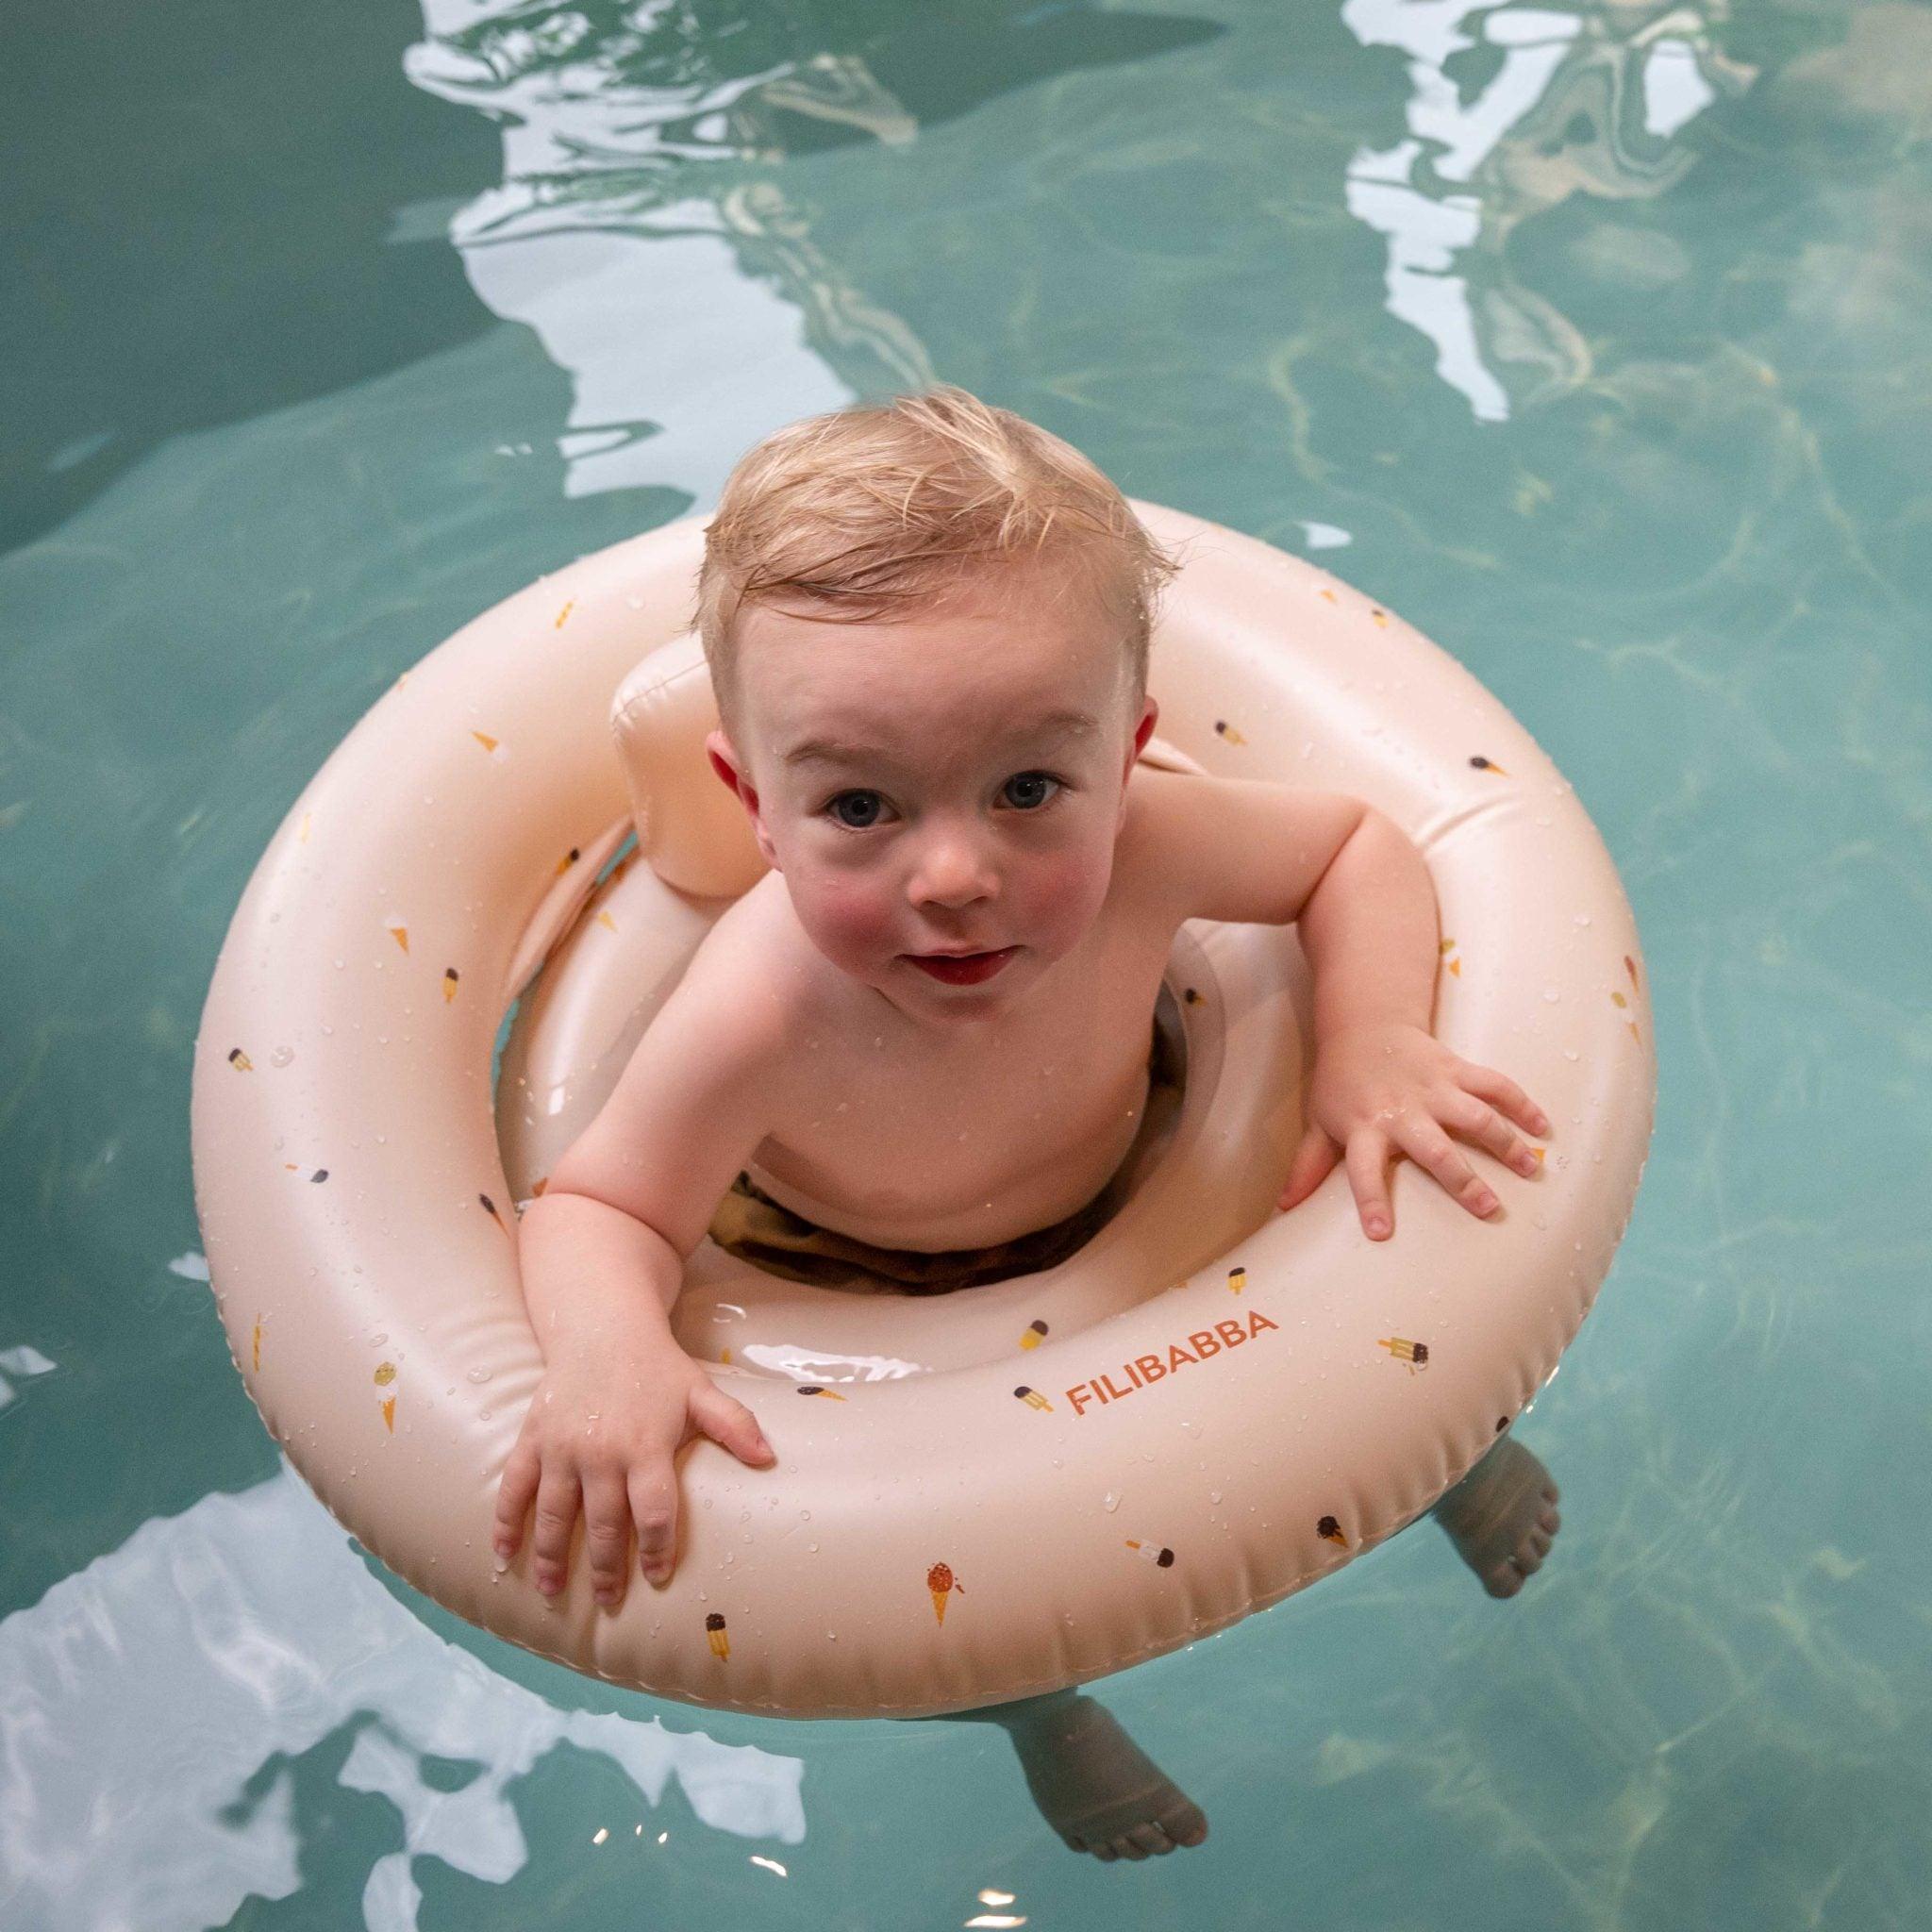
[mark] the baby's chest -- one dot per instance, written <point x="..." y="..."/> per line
<point x="884" y="1133"/>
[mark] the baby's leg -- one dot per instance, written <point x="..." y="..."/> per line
<point x="1092" y="1783"/>
<point x="1501" y="1517"/>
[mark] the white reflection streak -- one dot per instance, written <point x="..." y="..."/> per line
<point x="1427" y="232"/>
<point x="139" y="1697"/>
<point x="21" y="1362"/>
<point x="681" y="353"/>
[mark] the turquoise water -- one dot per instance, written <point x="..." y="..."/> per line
<point x="1599" y="343"/>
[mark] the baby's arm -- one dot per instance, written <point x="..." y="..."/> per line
<point x="602" y="1253"/>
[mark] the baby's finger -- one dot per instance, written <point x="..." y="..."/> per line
<point x="513" y="1501"/>
<point x="654" y="1509"/>
<point x="1474" y="1121"/>
<point x="1502" y="1092"/>
<point x="727" y="1422"/>
<point x="1368" y="1175"/>
<point x="1429" y="1147"/>
<point x="607" y="1533"/>
<point x="558" y="1496"/>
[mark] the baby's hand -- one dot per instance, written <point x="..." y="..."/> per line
<point x="1377" y="1088"/>
<point x="604" y="1427"/>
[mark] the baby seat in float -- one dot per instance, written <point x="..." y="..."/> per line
<point x="977" y="1497"/>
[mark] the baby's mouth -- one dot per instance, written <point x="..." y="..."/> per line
<point x="961" y="968"/>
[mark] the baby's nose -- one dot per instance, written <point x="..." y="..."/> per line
<point x="953" y="871"/>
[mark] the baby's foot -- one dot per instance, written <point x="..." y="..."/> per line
<point x="1096" y="1787"/>
<point x="1501" y="1517"/>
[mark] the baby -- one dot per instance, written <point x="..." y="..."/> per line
<point x="928" y="1029"/>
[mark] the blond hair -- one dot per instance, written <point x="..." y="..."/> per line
<point x="873" y="509"/>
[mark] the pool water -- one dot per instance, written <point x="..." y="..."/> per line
<point x="1597" y="343"/>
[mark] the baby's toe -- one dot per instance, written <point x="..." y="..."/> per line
<point x="1188" y="1826"/>
<point x="1151" y="1836"/>
<point x="1129" y="1847"/>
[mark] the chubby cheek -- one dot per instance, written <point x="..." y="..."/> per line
<point x="850" y="921"/>
<point x="1055" y="898"/>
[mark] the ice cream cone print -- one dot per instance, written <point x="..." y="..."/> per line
<point x="1416" y="1353"/>
<point x="1033" y="1398"/>
<point x="819" y="1389"/>
<point x="715" y="1633"/>
<point x="398" y="932"/>
<point x="484" y="739"/>
<point x="1623" y="1006"/>
<point x="240" y="1062"/>
<point x="569" y="859"/>
<point x="1446" y="948"/>
<point x="1329" y="594"/>
<point x="1035" y="1335"/>
<point x="563" y="615"/>
<point x="1156" y="1554"/>
<point x="254" y="1353"/>
<point x="605" y="920"/>
<point x="385" y="1374"/>
<point x="939" y="1580"/>
<point x="1380" y="615"/>
<point x="490" y="1209"/>
<point x="1483" y="764"/>
<point x="1228" y="732"/>
<point x="1330" y="1531"/>
<point x="307" y="819"/>
<point x="1237" y="1279"/>
<point x="450" y="977"/>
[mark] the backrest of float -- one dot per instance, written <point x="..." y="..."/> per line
<point x="691" y="830"/>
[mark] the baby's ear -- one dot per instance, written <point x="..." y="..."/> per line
<point x="726" y="762"/>
<point x="718" y="748"/>
<point x="1150" y="714"/>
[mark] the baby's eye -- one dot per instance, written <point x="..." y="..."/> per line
<point x="1031" y="780"/>
<point x="832" y="806"/>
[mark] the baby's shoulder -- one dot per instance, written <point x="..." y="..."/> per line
<point x="748" y="974"/>
<point x="1145" y="878"/>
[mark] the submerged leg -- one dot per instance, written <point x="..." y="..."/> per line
<point x="1092" y="1783"/>
<point x="1501" y="1517"/>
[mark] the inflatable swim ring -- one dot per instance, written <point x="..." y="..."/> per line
<point x="977" y="1497"/>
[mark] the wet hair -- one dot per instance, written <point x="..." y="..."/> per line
<point x="879" y="510"/>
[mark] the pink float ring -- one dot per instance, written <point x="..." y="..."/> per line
<point x="977" y="1497"/>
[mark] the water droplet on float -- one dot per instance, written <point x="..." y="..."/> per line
<point x="1110" y="1502"/>
<point x="1214" y="1496"/>
<point x="378" y="1338"/>
<point x="480" y="1375"/>
<point x="485" y="1414"/>
<point x="281" y="1057"/>
<point x="1551" y="994"/>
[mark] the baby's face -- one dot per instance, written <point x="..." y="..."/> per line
<point x="926" y="785"/>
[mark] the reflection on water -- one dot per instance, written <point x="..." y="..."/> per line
<point x="688" y="303"/>
<point x="166" y="1710"/>
<point x="1552" y="102"/>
